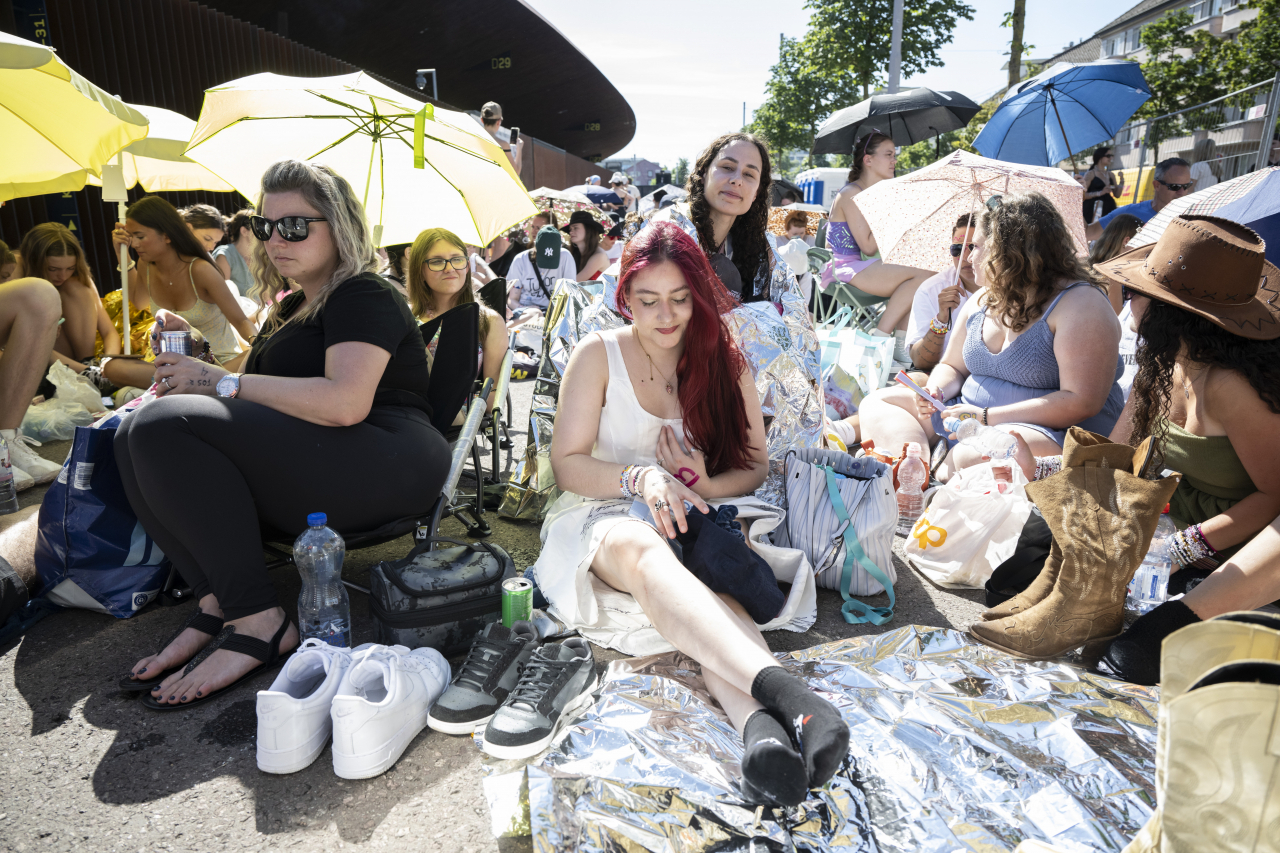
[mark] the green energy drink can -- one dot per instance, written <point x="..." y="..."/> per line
<point x="517" y="601"/>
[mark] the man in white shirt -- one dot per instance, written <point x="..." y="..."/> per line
<point x="939" y="299"/>
<point x="529" y="284"/>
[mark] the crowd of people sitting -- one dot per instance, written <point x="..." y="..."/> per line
<point x="312" y="338"/>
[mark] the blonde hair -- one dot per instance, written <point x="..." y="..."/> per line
<point x="335" y="200"/>
<point x="51" y="240"/>
<point x="422" y="299"/>
<point x="1028" y="252"/>
<point x="1204" y="153"/>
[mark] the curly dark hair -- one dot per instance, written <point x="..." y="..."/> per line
<point x="1167" y="331"/>
<point x="751" y="248"/>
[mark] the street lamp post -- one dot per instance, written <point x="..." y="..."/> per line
<point x="422" y="82"/>
<point x="895" y="49"/>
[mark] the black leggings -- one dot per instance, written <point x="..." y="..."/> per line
<point x="202" y="473"/>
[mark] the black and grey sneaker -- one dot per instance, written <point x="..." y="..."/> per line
<point x="488" y="675"/>
<point x="556" y="679"/>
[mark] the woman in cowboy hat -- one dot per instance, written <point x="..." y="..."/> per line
<point x="1206" y="307"/>
<point x="584" y="243"/>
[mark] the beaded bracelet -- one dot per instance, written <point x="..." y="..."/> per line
<point x="1189" y="546"/>
<point x="639" y="475"/>
<point x="938" y="328"/>
<point x="624" y="482"/>
<point x="1047" y="466"/>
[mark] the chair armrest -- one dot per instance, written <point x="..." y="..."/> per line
<point x="466" y="438"/>
<point x="504" y="380"/>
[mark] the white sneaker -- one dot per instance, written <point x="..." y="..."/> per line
<point x="293" y="714"/>
<point x="21" y="479"/>
<point x="381" y="706"/>
<point x="39" y="469"/>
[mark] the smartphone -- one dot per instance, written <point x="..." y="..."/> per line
<point x="903" y="379"/>
<point x="515" y="136"/>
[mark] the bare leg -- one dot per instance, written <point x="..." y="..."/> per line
<point x="899" y="284"/>
<point x="888" y="417"/>
<point x="29" y="312"/>
<point x="737" y="704"/>
<point x="184" y="647"/>
<point x="1246" y="581"/>
<point x="77" y="333"/>
<point x="962" y="456"/>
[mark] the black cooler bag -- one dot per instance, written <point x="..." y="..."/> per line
<point x="441" y="599"/>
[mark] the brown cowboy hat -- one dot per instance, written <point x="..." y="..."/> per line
<point x="1209" y="266"/>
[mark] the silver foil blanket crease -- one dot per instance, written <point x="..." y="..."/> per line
<point x="780" y="348"/>
<point x="955" y="747"/>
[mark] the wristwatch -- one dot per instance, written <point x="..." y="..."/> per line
<point x="229" y="385"/>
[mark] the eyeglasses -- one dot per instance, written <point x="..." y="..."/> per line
<point x="1177" y="188"/>
<point x="957" y="248"/>
<point x="1125" y="293"/>
<point x="294" y="229"/>
<point x="438" y="264"/>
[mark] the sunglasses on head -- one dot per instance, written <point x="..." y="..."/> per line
<point x="957" y="248"/>
<point x="1177" y="188"/>
<point x="994" y="202"/>
<point x="438" y="264"/>
<point x="862" y="142"/>
<point x="294" y="229"/>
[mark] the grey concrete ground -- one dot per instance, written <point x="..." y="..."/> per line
<point x="84" y="766"/>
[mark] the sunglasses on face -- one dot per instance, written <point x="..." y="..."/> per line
<point x="1125" y="293"/>
<point x="438" y="264"/>
<point x="957" y="248"/>
<point x="1177" y="188"/>
<point x="294" y="229"/>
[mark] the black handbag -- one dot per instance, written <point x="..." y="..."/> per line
<point x="441" y="599"/>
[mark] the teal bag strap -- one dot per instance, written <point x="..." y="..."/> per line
<point x="853" y="550"/>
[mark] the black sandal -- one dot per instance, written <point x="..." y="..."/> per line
<point x="201" y="621"/>
<point x="268" y="653"/>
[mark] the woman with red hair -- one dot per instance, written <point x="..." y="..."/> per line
<point x="657" y="421"/>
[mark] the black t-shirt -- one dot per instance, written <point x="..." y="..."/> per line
<point x="363" y="308"/>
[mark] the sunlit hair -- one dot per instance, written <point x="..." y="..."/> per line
<point x="1029" y="251"/>
<point x="751" y="247"/>
<point x="1206" y="152"/>
<point x="422" y="299"/>
<point x="237" y="222"/>
<point x="203" y="216"/>
<point x="1120" y="230"/>
<point x="52" y="240"/>
<point x="332" y="197"/>
<point x="6" y="255"/>
<point x="868" y="144"/>
<point x="715" y="415"/>
<point x="159" y="215"/>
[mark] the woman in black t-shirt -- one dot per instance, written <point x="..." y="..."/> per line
<point x="329" y="415"/>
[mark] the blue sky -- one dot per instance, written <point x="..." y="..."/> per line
<point x="687" y="66"/>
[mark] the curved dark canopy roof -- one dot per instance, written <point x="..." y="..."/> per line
<point x="484" y="50"/>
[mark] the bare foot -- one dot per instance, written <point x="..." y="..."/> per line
<point x="224" y="667"/>
<point x="183" y="648"/>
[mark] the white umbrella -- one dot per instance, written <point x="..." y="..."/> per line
<point x="158" y="162"/>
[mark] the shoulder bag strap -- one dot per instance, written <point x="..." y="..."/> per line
<point x="541" y="285"/>
<point x="853" y="551"/>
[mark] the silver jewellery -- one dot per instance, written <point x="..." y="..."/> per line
<point x="166" y="383"/>
<point x="1047" y="466"/>
<point x="661" y="504"/>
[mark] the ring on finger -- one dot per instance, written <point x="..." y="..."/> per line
<point x="661" y="504"/>
<point x="165" y="380"/>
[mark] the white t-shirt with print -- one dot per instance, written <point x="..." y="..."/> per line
<point x="523" y="276"/>
<point x="924" y="307"/>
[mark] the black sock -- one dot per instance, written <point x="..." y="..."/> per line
<point x="773" y="772"/>
<point x="815" y="724"/>
<point x="1134" y="656"/>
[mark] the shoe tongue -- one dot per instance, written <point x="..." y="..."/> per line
<point x="370" y="673"/>
<point x="307" y="663"/>
<point x="497" y="631"/>
<point x="557" y="651"/>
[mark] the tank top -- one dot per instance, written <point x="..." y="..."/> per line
<point x="1213" y="477"/>
<point x="206" y="317"/>
<point x="628" y="433"/>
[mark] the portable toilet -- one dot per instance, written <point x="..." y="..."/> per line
<point x="821" y="185"/>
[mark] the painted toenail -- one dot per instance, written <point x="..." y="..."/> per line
<point x="144" y="669"/>
<point x="198" y="694"/>
<point x="184" y="698"/>
<point x="170" y="698"/>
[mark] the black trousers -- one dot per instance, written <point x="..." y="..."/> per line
<point x="203" y="473"/>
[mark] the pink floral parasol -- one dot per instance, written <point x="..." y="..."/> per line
<point x="565" y="203"/>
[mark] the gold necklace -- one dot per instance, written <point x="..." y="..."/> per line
<point x="670" y="390"/>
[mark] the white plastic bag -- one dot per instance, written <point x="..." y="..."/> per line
<point x="971" y="525"/>
<point x="73" y="387"/>
<point x="55" y="420"/>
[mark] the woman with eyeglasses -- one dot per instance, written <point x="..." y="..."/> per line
<point x="439" y="280"/>
<point x="329" y="414"/>
<point x="853" y="245"/>
<point x="1101" y="189"/>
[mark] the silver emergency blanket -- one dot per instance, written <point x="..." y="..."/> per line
<point x="781" y="350"/>
<point x="955" y="747"/>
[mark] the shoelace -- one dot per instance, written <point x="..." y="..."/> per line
<point x="539" y="676"/>
<point x="483" y="657"/>
<point x="22" y="439"/>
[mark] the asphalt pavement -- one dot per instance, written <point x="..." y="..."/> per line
<point x="86" y="767"/>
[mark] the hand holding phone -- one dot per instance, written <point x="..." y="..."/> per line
<point x="515" y="137"/>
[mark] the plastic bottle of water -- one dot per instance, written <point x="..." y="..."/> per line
<point x="913" y="476"/>
<point x="987" y="440"/>
<point x="324" y="611"/>
<point x="1150" y="585"/>
<point x="8" y="493"/>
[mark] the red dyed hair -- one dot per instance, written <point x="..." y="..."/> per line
<point x="715" y="415"/>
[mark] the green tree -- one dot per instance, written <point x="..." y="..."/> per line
<point x="1259" y="44"/>
<point x="1014" y="20"/>
<point x="681" y="172"/>
<point x="800" y="97"/>
<point x="853" y="36"/>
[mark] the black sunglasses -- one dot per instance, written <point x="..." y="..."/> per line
<point x="1125" y="293"/>
<point x="294" y="229"/>
<point x="994" y="202"/>
<point x="957" y="248"/>
<point x="1176" y="187"/>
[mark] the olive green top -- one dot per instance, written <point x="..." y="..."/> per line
<point x="1213" y="478"/>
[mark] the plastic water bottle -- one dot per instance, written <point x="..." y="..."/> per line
<point x="324" y="611"/>
<point x="8" y="492"/>
<point x="913" y="476"/>
<point x="987" y="440"/>
<point x="1150" y="585"/>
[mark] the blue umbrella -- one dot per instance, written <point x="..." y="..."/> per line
<point x="1260" y="210"/>
<point x="1044" y="120"/>
<point x="597" y="195"/>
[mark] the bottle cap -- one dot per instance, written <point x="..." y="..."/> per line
<point x="1165" y="511"/>
<point x="913" y="449"/>
<point x="317" y="519"/>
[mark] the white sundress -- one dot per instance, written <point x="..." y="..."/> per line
<point x="575" y="526"/>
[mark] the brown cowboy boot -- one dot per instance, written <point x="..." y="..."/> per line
<point x="1102" y="518"/>
<point x="1075" y="452"/>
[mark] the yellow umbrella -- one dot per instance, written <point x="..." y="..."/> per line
<point x="158" y="162"/>
<point x="371" y="135"/>
<point x="55" y="125"/>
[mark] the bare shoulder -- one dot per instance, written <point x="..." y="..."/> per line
<point x="206" y="273"/>
<point x="1231" y="393"/>
<point x="1087" y="303"/>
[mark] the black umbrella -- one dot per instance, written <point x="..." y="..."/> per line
<point x="907" y="117"/>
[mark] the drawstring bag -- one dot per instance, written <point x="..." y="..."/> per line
<point x="841" y="512"/>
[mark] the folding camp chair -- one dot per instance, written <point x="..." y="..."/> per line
<point x="866" y="307"/>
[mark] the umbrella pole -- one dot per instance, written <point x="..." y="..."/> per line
<point x="1070" y="156"/>
<point x="124" y="282"/>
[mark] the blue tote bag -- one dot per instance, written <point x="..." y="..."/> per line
<point x="91" y="550"/>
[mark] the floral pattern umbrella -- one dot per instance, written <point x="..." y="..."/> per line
<point x="913" y="216"/>
<point x="564" y="203"/>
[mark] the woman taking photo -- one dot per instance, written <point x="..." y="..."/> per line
<point x="852" y="244"/>
<point x="584" y="244"/>
<point x="336" y="381"/>
<point x="1040" y="349"/>
<point x="633" y="399"/>
<point x="440" y="279"/>
<point x="1101" y="189"/>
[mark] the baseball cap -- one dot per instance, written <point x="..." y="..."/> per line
<point x="547" y="248"/>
